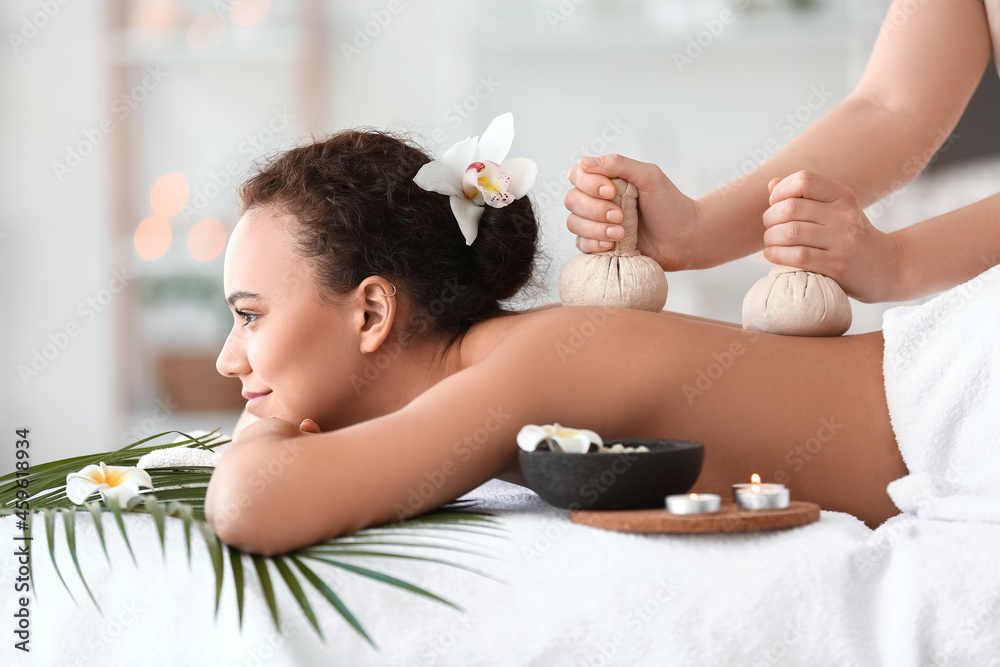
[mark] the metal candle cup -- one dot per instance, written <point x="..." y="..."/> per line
<point x="693" y="503"/>
<point x="774" y="498"/>
<point x="769" y="488"/>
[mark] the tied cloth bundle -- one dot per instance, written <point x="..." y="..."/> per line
<point x="620" y="277"/>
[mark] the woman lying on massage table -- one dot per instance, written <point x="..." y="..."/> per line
<point x="385" y="379"/>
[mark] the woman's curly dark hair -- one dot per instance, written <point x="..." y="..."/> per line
<point x="360" y="214"/>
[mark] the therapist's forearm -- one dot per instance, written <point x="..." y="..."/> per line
<point x="866" y="147"/>
<point x="948" y="250"/>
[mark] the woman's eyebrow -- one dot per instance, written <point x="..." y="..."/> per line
<point x="236" y="296"/>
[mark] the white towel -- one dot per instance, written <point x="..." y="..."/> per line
<point x="942" y="385"/>
<point x="183" y="455"/>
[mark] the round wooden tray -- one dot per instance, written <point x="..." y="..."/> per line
<point x="729" y="519"/>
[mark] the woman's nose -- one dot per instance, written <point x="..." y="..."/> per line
<point x="232" y="361"/>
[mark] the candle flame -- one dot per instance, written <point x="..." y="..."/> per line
<point x="755" y="488"/>
<point x="755" y="478"/>
<point x="693" y="496"/>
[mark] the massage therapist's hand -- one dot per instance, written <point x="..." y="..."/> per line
<point x="667" y="218"/>
<point x="814" y="223"/>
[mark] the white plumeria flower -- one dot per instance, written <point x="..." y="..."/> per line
<point x="474" y="172"/>
<point x="119" y="482"/>
<point x="568" y="440"/>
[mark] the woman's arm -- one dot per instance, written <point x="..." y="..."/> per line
<point x="277" y="489"/>
<point x="922" y="73"/>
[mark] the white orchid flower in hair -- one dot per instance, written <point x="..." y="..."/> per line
<point x="474" y="173"/>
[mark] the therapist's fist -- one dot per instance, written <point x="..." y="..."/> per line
<point x="815" y="223"/>
<point x="667" y="218"/>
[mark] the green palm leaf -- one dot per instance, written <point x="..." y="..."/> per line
<point x="95" y="514"/>
<point x="179" y="493"/>
<point x="50" y="531"/>
<point x="260" y="564"/>
<point x="215" y="552"/>
<point x="334" y="599"/>
<point x="300" y="596"/>
<point x="387" y="579"/>
<point x="236" y="561"/>
<point x="69" y="523"/>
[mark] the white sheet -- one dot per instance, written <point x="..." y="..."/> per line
<point x="832" y="593"/>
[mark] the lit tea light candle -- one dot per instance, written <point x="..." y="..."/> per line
<point x="758" y="496"/>
<point x="693" y="503"/>
<point x="755" y="479"/>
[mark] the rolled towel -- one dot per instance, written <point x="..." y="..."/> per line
<point x="183" y="455"/>
<point x="620" y="277"/>
<point x="795" y="302"/>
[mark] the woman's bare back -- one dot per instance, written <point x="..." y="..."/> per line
<point x="807" y="412"/>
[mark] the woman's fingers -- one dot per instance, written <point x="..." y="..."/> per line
<point x="309" y="426"/>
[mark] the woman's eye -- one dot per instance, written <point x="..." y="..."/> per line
<point x="249" y="317"/>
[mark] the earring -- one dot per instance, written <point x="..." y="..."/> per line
<point x="383" y="291"/>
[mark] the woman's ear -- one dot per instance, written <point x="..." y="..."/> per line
<point x="378" y="300"/>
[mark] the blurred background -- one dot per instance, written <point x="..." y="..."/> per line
<point x="128" y="125"/>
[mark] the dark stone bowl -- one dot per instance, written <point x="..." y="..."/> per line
<point x="605" y="481"/>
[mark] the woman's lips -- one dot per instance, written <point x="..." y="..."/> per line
<point x="253" y="398"/>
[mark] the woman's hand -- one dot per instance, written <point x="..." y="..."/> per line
<point x="815" y="224"/>
<point x="271" y="429"/>
<point x="667" y="219"/>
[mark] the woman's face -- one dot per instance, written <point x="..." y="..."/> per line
<point x="294" y="351"/>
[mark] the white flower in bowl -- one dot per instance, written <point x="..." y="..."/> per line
<point x="560" y="438"/>
<point x="119" y="482"/>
